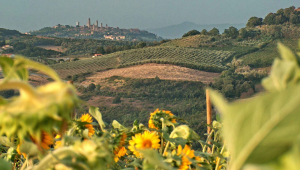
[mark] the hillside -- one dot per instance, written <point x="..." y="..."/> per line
<point x="96" y="32"/>
<point x="206" y="60"/>
<point x="176" y="31"/>
<point x="201" y="52"/>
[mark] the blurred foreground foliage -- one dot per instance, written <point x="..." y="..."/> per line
<point x="38" y="129"/>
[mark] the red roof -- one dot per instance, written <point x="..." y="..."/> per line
<point x="8" y="55"/>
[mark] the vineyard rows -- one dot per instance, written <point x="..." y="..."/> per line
<point x="206" y="60"/>
<point x="181" y="55"/>
<point x="84" y="66"/>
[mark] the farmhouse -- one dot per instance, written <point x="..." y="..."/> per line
<point x="5" y="47"/>
<point x="114" y="37"/>
<point x="96" y="55"/>
<point x="8" y="55"/>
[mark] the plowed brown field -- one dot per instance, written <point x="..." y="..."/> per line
<point x="151" y="70"/>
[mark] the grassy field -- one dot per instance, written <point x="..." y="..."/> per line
<point x="207" y="60"/>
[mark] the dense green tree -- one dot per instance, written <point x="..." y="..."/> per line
<point x="288" y="11"/>
<point x="279" y="19"/>
<point x="100" y="50"/>
<point x="280" y="12"/>
<point x="117" y="99"/>
<point x="232" y="32"/>
<point x="214" y="32"/>
<point x="98" y="87"/>
<point x="270" y="19"/>
<point x="2" y="43"/>
<point x="243" y="33"/>
<point x="204" y="32"/>
<point x="254" y="21"/>
<point x="141" y="44"/>
<point x="108" y="50"/>
<point x="190" y="33"/>
<point x="294" y="18"/>
<point x="91" y="87"/>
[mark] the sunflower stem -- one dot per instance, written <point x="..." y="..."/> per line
<point x="50" y="159"/>
<point x="167" y="145"/>
<point x="219" y="159"/>
<point x="209" y="136"/>
<point x="162" y="138"/>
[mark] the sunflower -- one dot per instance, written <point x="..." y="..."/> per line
<point x="156" y="115"/>
<point x="199" y="159"/>
<point x="147" y="140"/>
<point x="120" y="150"/>
<point x="87" y="118"/>
<point x="185" y="154"/>
<point x="47" y="140"/>
<point x="57" y="142"/>
<point x="19" y="152"/>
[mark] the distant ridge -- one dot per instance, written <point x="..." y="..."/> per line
<point x="176" y="31"/>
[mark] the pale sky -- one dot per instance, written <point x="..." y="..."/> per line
<point x="26" y="15"/>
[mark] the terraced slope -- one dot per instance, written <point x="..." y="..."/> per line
<point x="205" y="60"/>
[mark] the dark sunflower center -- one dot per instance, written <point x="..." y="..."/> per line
<point x="147" y="144"/>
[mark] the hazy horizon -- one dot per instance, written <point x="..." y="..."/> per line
<point x="35" y="14"/>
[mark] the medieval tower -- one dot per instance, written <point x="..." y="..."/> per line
<point x="89" y="23"/>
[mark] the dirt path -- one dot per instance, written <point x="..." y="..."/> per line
<point x="163" y="71"/>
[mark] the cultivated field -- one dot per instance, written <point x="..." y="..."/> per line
<point x="84" y="66"/>
<point x="266" y="56"/>
<point x="151" y="70"/>
<point x="206" y="60"/>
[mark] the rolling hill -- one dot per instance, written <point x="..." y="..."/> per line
<point x="206" y="60"/>
<point x="176" y="31"/>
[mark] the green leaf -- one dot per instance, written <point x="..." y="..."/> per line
<point x="5" y="165"/>
<point x="288" y="161"/>
<point x="262" y="128"/>
<point x="117" y="125"/>
<point x="94" y="111"/>
<point x="40" y="67"/>
<point x="147" y="165"/>
<point x="11" y="70"/>
<point x="177" y="140"/>
<point x="183" y="131"/>
<point x="286" y="53"/>
<point x="11" y="154"/>
<point x="85" y="134"/>
<point x="29" y="148"/>
<point x="217" y="125"/>
<point x="5" y="141"/>
<point x="283" y="73"/>
<point x="152" y="157"/>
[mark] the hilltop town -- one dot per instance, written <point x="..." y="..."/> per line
<point x="96" y="31"/>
